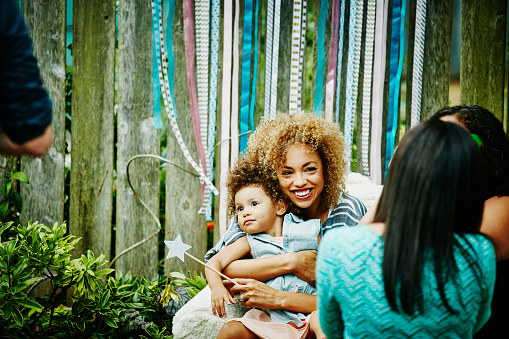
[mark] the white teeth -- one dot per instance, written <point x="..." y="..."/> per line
<point x="302" y="193"/>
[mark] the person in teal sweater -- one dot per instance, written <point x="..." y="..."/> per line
<point x="421" y="268"/>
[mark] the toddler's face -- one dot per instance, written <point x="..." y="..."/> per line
<point x="256" y="212"/>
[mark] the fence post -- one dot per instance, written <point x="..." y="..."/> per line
<point x="483" y="27"/>
<point x="136" y="134"/>
<point x="437" y="56"/>
<point x="43" y="198"/>
<point x="183" y="198"/>
<point x="90" y="207"/>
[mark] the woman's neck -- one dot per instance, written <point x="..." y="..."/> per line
<point x="316" y="213"/>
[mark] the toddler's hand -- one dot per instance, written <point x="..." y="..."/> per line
<point x="219" y="298"/>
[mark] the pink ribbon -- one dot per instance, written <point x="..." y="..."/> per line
<point x="333" y="57"/>
<point x="189" y="44"/>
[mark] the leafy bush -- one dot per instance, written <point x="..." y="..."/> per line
<point x="101" y="305"/>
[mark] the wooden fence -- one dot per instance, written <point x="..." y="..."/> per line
<point x="112" y="113"/>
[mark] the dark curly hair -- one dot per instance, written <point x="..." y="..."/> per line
<point x="494" y="147"/>
<point x="248" y="172"/>
<point x="271" y="140"/>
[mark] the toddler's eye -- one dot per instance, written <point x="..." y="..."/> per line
<point x="255" y="203"/>
<point x="240" y="208"/>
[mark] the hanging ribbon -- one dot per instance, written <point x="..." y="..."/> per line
<point x="275" y="58"/>
<point x="211" y="137"/>
<point x="396" y="66"/>
<point x="268" y="60"/>
<point x="255" y="69"/>
<point x="189" y="44"/>
<point x="234" y="124"/>
<point x="156" y="54"/>
<point x="352" y="75"/>
<point x="301" y="53"/>
<point x="225" y="113"/>
<point x="378" y="90"/>
<point x="420" y="30"/>
<point x="320" y="56"/>
<point x="169" y="43"/>
<point x="295" y="56"/>
<point x="366" y="92"/>
<point x="340" y="58"/>
<point x="333" y="57"/>
<point x="246" y="74"/>
<point x="202" y="14"/>
<point x="168" y="103"/>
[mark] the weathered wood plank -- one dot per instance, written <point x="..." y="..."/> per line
<point x="43" y="198"/>
<point x="183" y="198"/>
<point x="90" y="208"/>
<point x="483" y="28"/>
<point x="437" y="55"/>
<point x="136" y="134"/>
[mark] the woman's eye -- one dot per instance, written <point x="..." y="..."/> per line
<point x="285" y="173"/>
<point x="310" y="169"/>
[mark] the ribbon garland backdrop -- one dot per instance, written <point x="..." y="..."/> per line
<point x="204" y="126"/>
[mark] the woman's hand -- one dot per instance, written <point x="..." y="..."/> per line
<point x="253" y="293"/>
<point x="305" y="265"/>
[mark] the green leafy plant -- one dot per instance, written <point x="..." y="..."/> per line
<point x="11" y="205"/>
<point x="101" y="305"/>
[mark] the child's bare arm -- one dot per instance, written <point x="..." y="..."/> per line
<point x="220" y="294"/>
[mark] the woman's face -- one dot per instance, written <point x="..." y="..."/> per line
<point x="301" y="177"/>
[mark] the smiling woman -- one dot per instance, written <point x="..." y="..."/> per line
<point x="304" y="154"/>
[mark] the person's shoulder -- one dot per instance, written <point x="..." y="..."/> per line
<point x="350" y="202"/>
<point x="481" y="245"/>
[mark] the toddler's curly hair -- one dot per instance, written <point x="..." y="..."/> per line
<point x="248" y="172"/>
<point x="270" y="142"/>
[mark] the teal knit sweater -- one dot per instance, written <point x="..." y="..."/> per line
<point x="351" y="297"/>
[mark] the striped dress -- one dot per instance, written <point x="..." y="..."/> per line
<point x="347" y="212"/>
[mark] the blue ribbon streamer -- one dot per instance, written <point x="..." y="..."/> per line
<point x="156" y="54"/>
<point x="246" y="75"/>
<point x="396" y="66"/>
<point x="255" y="69"/>
<point x="340" y="58"/>
<point x="320" y="57"/>
<point x="169" y="47"/>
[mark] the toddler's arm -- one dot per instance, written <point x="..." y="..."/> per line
<point x="220" y="294"/>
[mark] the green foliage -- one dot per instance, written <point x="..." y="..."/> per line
<point x="84" y="300"/>
<point x="11" y="204"/>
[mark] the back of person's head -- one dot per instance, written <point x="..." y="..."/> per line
<point x="271" y="140"/>
<point x="249" y="172"/>
<point x="494" y="147"/>
<point x="432" y="191"/>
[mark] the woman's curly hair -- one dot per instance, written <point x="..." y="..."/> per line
<point x="494" y="147"/>
<point x="248" y="172"/>
<point x="270" y="142"/>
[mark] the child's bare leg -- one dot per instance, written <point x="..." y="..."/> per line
<point x="235" y="329"/>
<point x="314" y="326"/>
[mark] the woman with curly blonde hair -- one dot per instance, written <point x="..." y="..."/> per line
<point x="306" y="156"/>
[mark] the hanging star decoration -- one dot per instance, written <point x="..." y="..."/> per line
<point x="176" y="248"/>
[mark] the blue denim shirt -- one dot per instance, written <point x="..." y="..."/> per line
<point x="298" y="235"/>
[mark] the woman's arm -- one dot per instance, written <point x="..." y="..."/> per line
<point x="495" y="224"/>
<point x="302" y="264"/>
<point x="258" y="294"/>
